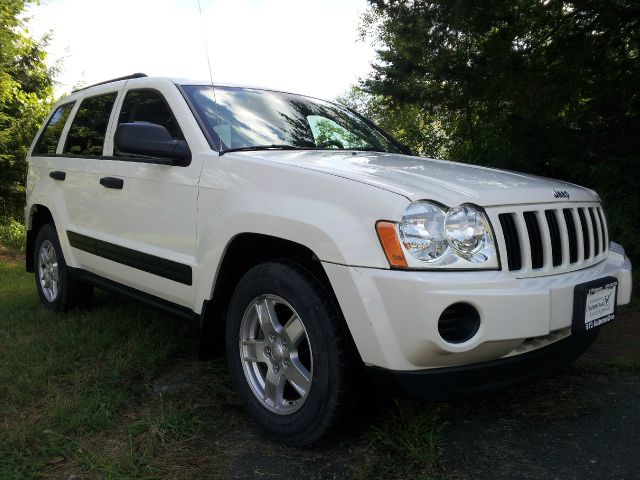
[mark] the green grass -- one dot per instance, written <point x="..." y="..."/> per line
<point x="624" y="364"/>
<point x="66" y="377"/>
<point x="406" y="441"/>
<point x="98" y="393"/>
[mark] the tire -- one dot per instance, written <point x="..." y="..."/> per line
<point x="57" y="289"/>
<point x="293" y="341"/>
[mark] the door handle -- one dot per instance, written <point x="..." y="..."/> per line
<point x="112" y="182"/>
<point x="58" y="175"/>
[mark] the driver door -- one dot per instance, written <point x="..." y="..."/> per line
<point x="148" y="209"/>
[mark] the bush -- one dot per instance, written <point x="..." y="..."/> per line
<point x="12" y="234"/>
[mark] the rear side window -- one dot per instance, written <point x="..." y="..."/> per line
<point x="89" y="127"/>
<point x="48" y="141"/>
<point x="146" y="105"/>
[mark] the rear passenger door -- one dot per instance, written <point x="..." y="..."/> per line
<point x="148" y="209"/>
<point x="79" y="157"/>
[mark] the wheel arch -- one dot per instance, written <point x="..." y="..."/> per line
<point x="240" y="255"/>
<point x="39" y="215"/>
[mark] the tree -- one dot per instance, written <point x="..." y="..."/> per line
<point x="26" y="93"/>
<point x="550" y="87"/>
<point x="411" y="124"/>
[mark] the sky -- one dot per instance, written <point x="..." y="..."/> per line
<point x="303" y="46"/>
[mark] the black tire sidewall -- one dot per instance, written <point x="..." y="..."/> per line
<point x="323" y="327"/>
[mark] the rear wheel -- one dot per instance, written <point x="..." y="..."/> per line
<point x="56" y="288"/>
<point x="287" y="352"/>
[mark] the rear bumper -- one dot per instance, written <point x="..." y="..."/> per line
<point x="451" y="383"/>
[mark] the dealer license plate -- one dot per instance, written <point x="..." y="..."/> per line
<point x="594" y="304"/>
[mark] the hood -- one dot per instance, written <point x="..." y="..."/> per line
<point x="420" y="178"/>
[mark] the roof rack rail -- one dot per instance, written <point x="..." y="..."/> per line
<point x="126" y="77"/>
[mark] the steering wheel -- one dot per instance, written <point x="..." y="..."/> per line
<point x="328" y="143"/>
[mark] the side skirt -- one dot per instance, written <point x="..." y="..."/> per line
<point x="151" y="300"/>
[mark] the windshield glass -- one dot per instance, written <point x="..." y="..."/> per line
<point x="246" y="119"/>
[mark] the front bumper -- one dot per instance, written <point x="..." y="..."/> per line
<point x="450" y="383"/>
<point x="393" y="315"/>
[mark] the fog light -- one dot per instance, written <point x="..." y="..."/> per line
<point x="458" y="323"/>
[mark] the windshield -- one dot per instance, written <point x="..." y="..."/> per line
<point x="251" y="119"/>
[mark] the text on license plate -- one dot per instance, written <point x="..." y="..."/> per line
<point x="600" y="305"/>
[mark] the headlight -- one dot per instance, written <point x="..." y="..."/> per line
<point x="422" y="231"/>
<point x="468" y="233"/>
<point x="432" y="236"/>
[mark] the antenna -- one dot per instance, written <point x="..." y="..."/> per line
<point x="206" y="46"/>
<point x="206" y="49"/>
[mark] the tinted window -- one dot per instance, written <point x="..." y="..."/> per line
<point x="239" y="118"/>
<point x="89" y="127"/>
<point x="330" y="134"/>
<point x="48" y="141"/>
<point x="149" y="106"/>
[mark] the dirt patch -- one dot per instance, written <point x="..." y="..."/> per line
<point x="599" y="441"/>
<point x="9" y="256"/>
<point x="580" y="423"/>
<point x="620" y="339"/>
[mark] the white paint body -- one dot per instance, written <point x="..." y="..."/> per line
<point x="328" y="201"/>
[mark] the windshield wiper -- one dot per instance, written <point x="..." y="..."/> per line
<point x="368" y="149"/>
<point x="274" y="146"/>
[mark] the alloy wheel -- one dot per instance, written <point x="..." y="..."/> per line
<point x="275" y="354"/>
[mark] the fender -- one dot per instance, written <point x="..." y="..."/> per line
<point x="240" y="194"/>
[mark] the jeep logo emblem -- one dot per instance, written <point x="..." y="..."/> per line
<point x="560" y="194"/>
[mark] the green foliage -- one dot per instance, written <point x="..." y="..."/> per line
<point x="26" y="93"/>
<point x="12" y="234"/>
<point x="548" y="87"/>
<point x="330" y="133"/>
<point x="410" y="124"/>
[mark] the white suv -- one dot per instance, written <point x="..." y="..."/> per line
<point x="315" y="244"/>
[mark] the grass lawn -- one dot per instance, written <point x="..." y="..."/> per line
<point x="117" y="392"/>
<point x="65" y="378"/>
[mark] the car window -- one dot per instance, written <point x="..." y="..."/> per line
<point x="241" y="118"/>
<point x="48" y="141"/>
<point x="329" y="134"/>
<point x="146" y="105"/>
<point x="89" y="127"/>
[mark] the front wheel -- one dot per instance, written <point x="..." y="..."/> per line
<point x="287" y="352"/>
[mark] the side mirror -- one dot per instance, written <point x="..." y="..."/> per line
<point x="151" y="140"/>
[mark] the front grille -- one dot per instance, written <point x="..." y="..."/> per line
<point x="556" y="241"/>
<point x="535" y="239"/>
<point x="572" y="233"/>
<point x="552" y="240"/>
<point x="585" y="233"/>
<point x="512" y="241"/>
